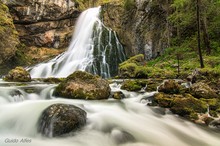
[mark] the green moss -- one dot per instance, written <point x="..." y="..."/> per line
<point x="133" y="85"/>
<point x="133" y="68"/>
<point x="83" y="85"/>
<point x="8" y="35"/>
<point x="163" y="100"/>
<point x="129" y="4"/>
<point x="187" y="106"/>
<point x="170" y="87"/>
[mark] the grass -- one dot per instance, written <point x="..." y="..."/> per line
<point x="167" y="64"/>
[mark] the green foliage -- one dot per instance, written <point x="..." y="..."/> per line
<point x="133" y="67"/>
<point x="129" y="4"/>
<point x="133" y="85"/>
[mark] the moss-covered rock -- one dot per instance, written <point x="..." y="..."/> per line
<point x="8" y="35"/>
<point x="133" y="68"/>
<point x="202" y="90"/>
<point x="83" y="85"/>
<point x="163" y="100"/>
<point x="133" y="85"/>
<point x="19" y="74"/>
<point x="170" y="87"/>
<point x="118" y="95"/>
<point x="184" y="105"/>
<point x="152" y="84"/>
<point x="188" y="106"/>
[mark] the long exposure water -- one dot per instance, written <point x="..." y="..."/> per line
<point x="126" y="122"/>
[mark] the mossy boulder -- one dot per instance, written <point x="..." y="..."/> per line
<point x="133" y="85"/>
<point x="19" y="74"/>
<point x="184" y="105"/>
<point x="169" y="87"/>
<point x="202" y="90"/>
<point x="133" y="68"/>
<point x="60" y="119"/>
<point x="83" y="85"/>
<point x="188" y="106"/>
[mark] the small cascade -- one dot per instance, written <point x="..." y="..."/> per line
<point x="94" y="48"/>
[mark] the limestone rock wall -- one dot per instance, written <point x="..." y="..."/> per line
<point x="44" y="23"/>
<point x="142" y="27"/>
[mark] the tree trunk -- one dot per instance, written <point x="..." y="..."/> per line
<point x="198" y="29"/>
<point x="206" y="35"/>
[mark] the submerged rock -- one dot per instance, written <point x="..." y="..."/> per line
<point x="19" y="74"/>
<point x="59" y="119"/>
<point x="83" y="85"/>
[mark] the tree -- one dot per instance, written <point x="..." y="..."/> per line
<point x="198" y="4"/>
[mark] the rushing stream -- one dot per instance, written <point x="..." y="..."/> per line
<point x="127" y="122"/>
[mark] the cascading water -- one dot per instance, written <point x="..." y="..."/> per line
<point x="94" y="48"/>
<point x="128" y="122"/>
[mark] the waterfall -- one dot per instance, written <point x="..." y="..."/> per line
<point x="94" y="48"/>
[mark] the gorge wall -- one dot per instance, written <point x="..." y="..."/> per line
<point x="141" y="26"/>
<point x="44" y="23"/>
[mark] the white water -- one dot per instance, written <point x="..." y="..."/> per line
<point x="80" y="54"/>
<point x="107" y="120"/>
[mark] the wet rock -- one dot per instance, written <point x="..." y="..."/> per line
<point x="19" y="74"/>
<point x="170" y="87"/>
<point x="60" y="119"/>
<point x="215" y="123"/>
<point x="118" y="95"/>
<point x="202" y="90"/>
<point x="122" y="137"/>
<point x="83" y="85"/>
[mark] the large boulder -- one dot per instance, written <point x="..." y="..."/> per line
<point x="202" y="90"/>
<point x="83" y="85"/>
<point x="59" y="119"/>
<point x="19" y="74"/>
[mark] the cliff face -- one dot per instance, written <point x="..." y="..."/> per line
<point x="141" y="26"/>
<point x="44" y="23"/>
<point x="8" y="35"/>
